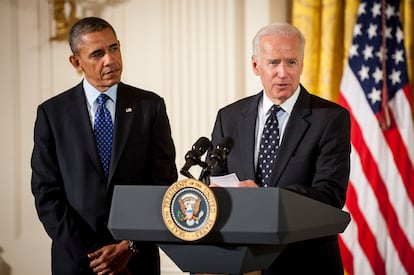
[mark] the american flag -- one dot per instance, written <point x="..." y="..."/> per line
<point x="380" y="197"/>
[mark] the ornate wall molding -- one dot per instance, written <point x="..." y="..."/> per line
<point x="64" y="16"/>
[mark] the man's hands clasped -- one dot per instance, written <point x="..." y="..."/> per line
<point x="111" y="259"/>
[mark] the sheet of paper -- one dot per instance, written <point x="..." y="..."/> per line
<point x="229" y="180"/>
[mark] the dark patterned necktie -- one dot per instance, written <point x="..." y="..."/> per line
<point x="103" y="132"/>
<point x="269" y="145"/>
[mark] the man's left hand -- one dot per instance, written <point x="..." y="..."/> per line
<point x="111" y="259"/>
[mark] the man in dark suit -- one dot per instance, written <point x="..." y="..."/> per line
<point x="71" y="187"/>
<point x="312" y="136"/>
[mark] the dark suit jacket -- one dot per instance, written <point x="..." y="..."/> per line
<point x="72" y="194"/>
<point x="313" y="159"/>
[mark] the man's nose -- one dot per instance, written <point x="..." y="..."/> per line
<point x="281" y="70"/>
<point x="109" y="58"/>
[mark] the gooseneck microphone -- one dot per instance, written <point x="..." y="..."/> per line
<point x="217" y="156"/>
<point x="193" y="156"/>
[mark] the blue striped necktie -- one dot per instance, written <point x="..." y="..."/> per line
<point x="103" y="132"/>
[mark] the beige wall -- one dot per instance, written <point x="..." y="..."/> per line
<point x="195" y="53"/>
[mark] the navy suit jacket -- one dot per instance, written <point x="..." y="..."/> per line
<point x="313" y="160"/>
<point x="72" y="194"/>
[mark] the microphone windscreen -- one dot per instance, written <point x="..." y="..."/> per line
<point x="202" y="144"/>
<point x="226" y="144"/>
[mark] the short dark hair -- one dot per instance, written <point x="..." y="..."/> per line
<point x="84" y="26"/>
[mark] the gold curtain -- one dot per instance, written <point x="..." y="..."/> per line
<point x="407" y="15"/>
<point x="327" y="26"/>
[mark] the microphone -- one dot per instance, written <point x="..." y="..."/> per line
<point x="193" y="156"/>
<point x="217" y="156"/>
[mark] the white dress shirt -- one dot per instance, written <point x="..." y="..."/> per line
<point x="92" y="94"/>
<point x="282" y="117"/>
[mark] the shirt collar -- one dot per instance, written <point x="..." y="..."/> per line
<point x="287" y="106"/>
<point x="92" y="93"/>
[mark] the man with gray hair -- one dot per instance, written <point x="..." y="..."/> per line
<point x="286" y="137"/>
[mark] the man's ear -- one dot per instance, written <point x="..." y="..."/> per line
<point x="74" y="60"/>
<point x="254" y="65"/>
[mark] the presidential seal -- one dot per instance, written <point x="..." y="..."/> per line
<point x="189" y="209"/>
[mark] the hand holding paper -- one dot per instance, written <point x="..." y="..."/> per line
<point x="230" y="180"/>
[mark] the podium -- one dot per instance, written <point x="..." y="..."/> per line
<point x="253" y="225"/>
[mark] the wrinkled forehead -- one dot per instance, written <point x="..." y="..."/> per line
<point x="286" y="46"/>
<point x="97" y="40"/>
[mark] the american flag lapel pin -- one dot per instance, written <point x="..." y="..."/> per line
<point x="128" y="110"/>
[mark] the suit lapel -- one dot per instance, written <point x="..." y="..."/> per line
<point x="295" y="129"/>
<point x="123" y="119"/>
<point x="81" y="118"/>
<point x="246" y="123"/>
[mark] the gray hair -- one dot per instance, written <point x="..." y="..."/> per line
<point x="278" y="30"/>
<point x="84" y="26"/>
